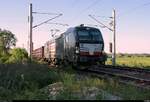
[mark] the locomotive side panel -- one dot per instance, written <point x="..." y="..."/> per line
<point x="46" y="51"/>
<point x="52" y="50"/>
<point x="69" y="45"/>
<point x="60" y="48"/>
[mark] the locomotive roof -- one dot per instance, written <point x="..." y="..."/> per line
<point x="81" y="26"/>
<point x="86" y="27"/>
<point x="71" y="29"/>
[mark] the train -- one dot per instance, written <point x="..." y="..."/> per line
<point x="79" y="45"/>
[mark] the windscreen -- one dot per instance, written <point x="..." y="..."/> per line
<point x="90" y="35"/>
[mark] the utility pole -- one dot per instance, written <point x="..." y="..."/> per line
<point x="31" y="26"/>
<point x="30" y="31"/>
<point x="113" y="29"/>
<point x="114" y="38"/>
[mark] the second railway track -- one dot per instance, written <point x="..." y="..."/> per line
<point x="135" y="76"/>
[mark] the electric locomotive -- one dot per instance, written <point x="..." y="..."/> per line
<point x="80" y="45"/>
<point x="84" y="45"/>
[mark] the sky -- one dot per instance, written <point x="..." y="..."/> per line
<point x="132" y="20"/>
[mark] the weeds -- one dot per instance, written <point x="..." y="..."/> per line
<point x="112" y="86"/>
<point x="24" y="81"/>
<point x="21" y="81"/>
<point x="132" y="61"/>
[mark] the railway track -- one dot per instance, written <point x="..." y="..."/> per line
<point x="134" y="76"/>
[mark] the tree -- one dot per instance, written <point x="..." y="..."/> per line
<point x="18" y="55"/>
<point x="7" y="40"/>
<point x="4" y="58"/>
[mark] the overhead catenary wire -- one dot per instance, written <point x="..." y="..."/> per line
<point x="30" y="19"/>
<point x="87" y="8"/>
<point x="74" y="3"/>
<point x="47" y="21"/>
<point x="100" y="22"/>
<point x="92" y="5"/>
<point x="133" y="9"/>
<point x="104" y="17"/>
<point x="45" y="13"/>
<point x="57" y="24"/>
<point x="95" y="25"/>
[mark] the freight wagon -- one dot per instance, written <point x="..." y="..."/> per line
<point x="38" y="53"/>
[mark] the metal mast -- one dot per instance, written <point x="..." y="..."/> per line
<point x="31" y="26"/>
<point x="30" y="31"/>
<point x="114" y="38"/>
<point x="113" y="29"/>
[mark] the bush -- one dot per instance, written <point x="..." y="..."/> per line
<point x="4" y="58"/>
<point x="18" y="55"/>
<point x="24" y="79"/>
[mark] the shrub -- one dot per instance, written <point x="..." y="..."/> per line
<point x="4" y="58"/>
<point x="24" y="80"/>
<point x="18" y="55"/>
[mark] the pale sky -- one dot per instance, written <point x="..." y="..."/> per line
<point x="132" y="20"/>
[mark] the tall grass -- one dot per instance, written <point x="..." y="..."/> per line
<point x="132" y="61"/>
<point x="23" y="79"/>
<point x="78" y="89"/>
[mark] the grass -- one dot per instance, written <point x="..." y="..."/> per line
<point x="73" y="85"/>
<point x="127" y="91"/>
<point x="24" y="81"/>
<point x="132" y="61"/>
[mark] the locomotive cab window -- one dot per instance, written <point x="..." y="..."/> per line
<point x="96" y="35"/>
<point x="89" y="35"/>
<point x="83" y="35"/>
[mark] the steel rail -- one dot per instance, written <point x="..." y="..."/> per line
<point x="125" y="68"/>
<point x="119" y="73"/>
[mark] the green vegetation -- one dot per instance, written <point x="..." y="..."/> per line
<point x="8" y="55"/>
<point x="132" y="60"/>
<point x="16" y="55"/>
<point x="26" y="81"/>
<point x="23" y="81"/>
<point x="74" y="85"/>
<point x="7" y="40"/>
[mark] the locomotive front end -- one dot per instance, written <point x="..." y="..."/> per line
<point x="90" y="46"/>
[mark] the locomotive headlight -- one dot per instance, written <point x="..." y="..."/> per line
<point x="98" y="47"/>
<point x="77" y="50"/>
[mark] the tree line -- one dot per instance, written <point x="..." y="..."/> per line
<point x="8" y="52"/>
